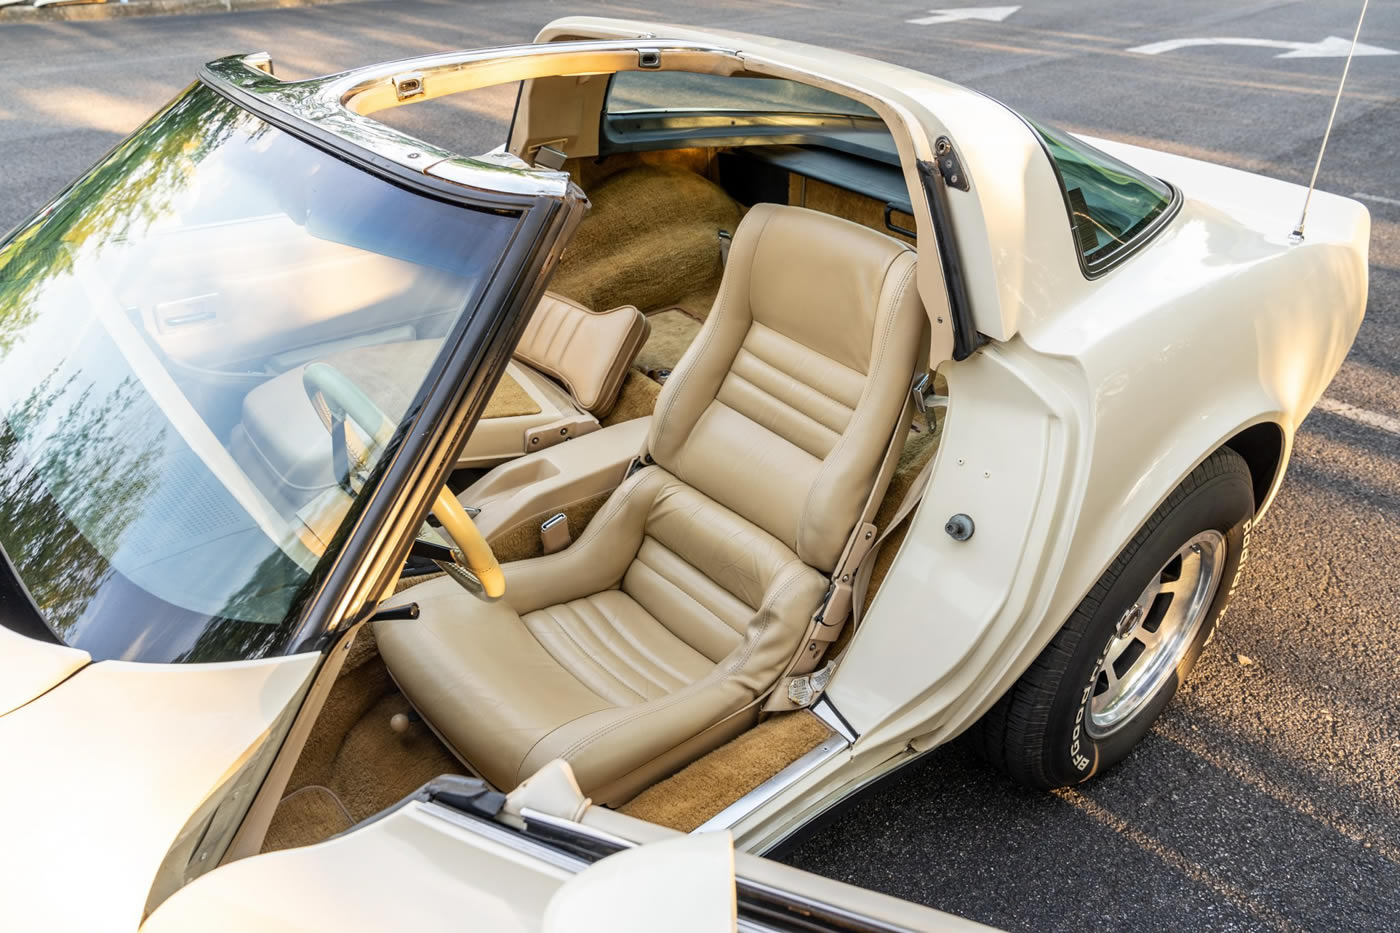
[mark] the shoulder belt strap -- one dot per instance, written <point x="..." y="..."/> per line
<point x="795" y="689"/>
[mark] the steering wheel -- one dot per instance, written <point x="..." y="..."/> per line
<point x="339" y="400"/>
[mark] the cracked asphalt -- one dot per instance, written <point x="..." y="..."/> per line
<point x="1267" y="797"/>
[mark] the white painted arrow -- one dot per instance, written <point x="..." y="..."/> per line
<point x="993" y="14"/>
<point x="1331" y="47"/>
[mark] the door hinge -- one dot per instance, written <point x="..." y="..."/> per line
<point x="949" y="165"/>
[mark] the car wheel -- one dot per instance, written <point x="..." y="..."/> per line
<point x="1107" y="674"/>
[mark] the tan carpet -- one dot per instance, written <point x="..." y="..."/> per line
<point x="651" y="239"/>
<point x="354" y="764"/>
<point x="523" y="540"/>
<point x="305" y="816"/>
<point x="705" y="787"/>
<point x="636" y="400"/>
<point x="672" y="331"/>
<point x="509" y="400"/>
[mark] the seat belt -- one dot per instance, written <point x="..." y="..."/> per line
<point x="799" y="686"/>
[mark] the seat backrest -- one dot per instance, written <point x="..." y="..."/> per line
<point x="588" y="351"/>
<point x="784" y="405"/>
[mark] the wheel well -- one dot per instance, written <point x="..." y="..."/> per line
<point x="1261" y="446"/>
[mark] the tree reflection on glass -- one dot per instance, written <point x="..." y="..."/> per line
<point x="84" y="445"/>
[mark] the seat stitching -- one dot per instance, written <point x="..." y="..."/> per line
<point x="720" y="308"/>
<point x="796" y="412"/>
<point x="698" y="571"/>
<point x="587" y="656"/>
<point x="676" y="697"/>
<point x="594" y="629"/>
<point x="797" y="376"/>
<point x="661" y="663"/>
<point x="775" y="435"/>
<point x="645" y="708"/>
<point x="699" y="605"/>
<point x="869" y="383"/>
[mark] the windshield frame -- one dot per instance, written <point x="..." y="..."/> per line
<point x="454" y="392"/>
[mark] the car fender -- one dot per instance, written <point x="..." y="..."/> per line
<point x="29" y="667"/>
<point x="1061" y="444"/>
<point x="116" y="761"/>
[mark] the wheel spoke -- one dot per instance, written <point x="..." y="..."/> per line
<point x="1115" y="651"/>
<point x="1156" y="630"/>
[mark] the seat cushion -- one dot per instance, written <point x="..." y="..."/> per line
<point x="667" y="616"/>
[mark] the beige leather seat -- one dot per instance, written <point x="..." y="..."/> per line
<point x="654" y="637"/>
<point x="589" y="354"/>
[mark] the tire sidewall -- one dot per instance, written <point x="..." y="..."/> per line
<point x="1224" y="503"/>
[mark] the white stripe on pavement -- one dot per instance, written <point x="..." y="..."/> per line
<point x="1395" y="202"/>
<point x="1372" y="419"/>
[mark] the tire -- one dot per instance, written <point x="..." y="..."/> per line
<point x="1093" y="693"/>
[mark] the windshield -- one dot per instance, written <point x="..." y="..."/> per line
<point x="160" y="498"/>
<point x="644" y="91"/>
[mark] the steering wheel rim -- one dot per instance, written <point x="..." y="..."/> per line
<point x="475" y="553"/>
<point x="347" y="400"/>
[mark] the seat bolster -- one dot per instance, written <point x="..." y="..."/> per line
<point x="835" y="498"/>
<point x="598" y="559"/>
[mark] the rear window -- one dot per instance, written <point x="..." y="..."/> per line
<point x="1113" y="207"/>
<point x="651" y="91"/>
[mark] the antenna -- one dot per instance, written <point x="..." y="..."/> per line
<point x="1297" y="234"/>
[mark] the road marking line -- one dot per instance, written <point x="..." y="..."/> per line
<point x="1330" y="47"/>
<point x="1372" y="419"/>
<point x="1395" y="202"/>
<point x="992" y="14"/>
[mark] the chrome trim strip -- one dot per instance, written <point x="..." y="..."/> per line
<point x="809" y="906"/>
<point x="339" y="104"/>
<point x="775" y="785"/>
<point x="504" y="836"/>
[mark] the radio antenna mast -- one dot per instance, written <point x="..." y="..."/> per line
<point x="1297" y="234"/>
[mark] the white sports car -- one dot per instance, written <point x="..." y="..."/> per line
<point x="781" y="415"/>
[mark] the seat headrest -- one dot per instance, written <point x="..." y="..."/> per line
<point x="783" y="406"/>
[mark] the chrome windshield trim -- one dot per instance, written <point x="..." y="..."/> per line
<point x="340" y="104"/>
<point x="748" y="804"/>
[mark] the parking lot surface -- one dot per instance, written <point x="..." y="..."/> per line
<point x="1268" y="797"/>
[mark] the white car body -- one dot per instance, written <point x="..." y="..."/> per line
<point x="110" y="764"/>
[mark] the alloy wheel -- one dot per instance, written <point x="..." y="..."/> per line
<point x="1155" y="632"/>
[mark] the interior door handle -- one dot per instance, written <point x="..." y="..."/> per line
<point x="183" y="312"/>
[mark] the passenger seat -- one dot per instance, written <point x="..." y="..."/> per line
<point x="566" y="373"/>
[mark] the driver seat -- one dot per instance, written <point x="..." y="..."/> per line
<point x="656" y="636"/>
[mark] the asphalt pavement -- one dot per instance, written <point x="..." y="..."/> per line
<point x="1268" y="796"/>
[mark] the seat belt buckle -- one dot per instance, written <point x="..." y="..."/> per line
<point x="803" y="691"/>
<point x="920" y="392"/>
<point x="554" y="533"/>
